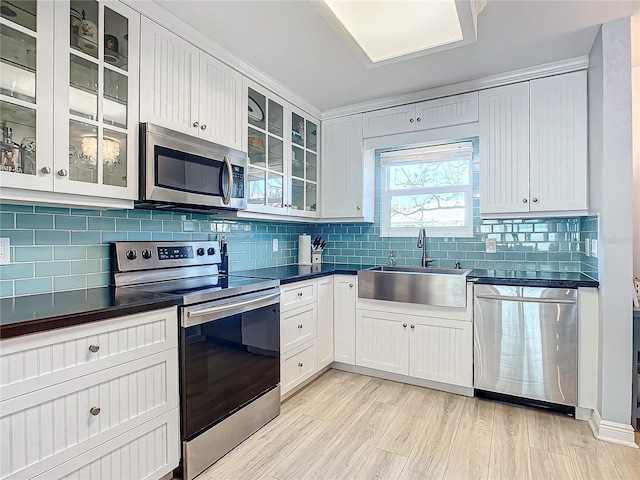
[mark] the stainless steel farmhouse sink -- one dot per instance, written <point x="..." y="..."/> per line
<point x="441" y="287"/>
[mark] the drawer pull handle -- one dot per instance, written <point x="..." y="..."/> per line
<point x="94" y="411"/>
<point x="94" y="348"/>
<point x="300" y="326"/>
<point x="300" y="364"/>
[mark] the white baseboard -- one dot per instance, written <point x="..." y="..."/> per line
<point x="583" y="413"/>
<point x="612" y="432"/>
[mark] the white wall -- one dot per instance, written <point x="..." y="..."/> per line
<point x="635" y="61"/>
<point x="611" y="196"/>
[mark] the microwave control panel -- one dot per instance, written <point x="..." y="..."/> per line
<point x="238" y="182"/>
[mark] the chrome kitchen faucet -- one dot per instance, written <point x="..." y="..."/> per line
<point x="422" y="243"/>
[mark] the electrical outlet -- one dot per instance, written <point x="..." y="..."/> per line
<point x="491" y="245"/>
<point x="274" y="244"/>
<point x="594" y="247"/>
<point x="5" y="252"/>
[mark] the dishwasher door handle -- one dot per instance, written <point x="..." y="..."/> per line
<point x="526" y="299"/>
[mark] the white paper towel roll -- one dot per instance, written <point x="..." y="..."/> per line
<point x="304" y="249"/>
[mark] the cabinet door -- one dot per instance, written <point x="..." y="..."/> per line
<point x="26" y="95"/>
<point x="558" y="163"/>
<point x="441" y="350"/>
<point x="504" y="149"/>
<point x="171" y="69"/>
<point x="304" y="165"/>
<point x="389" y="121"/>
<point x="220" y="114"/>
<point x="344" y="318"/>
<point x="443" y="112"/>
<point x="381" y="341"/>
<point x="345" y="192"/>
<point x="325" y="321"/>
<point x="298" y="365"/>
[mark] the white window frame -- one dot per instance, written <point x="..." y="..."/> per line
<point x="385" y="201"/>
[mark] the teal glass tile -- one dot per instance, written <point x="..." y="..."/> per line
<point x="536" y="257"/>
<point x="52" y="237"/>
<point x="85" y="238"/>
<point x="191" y="227"/>
<point x="33" y="286"/>
<point x="161" y="215"/>
<point x="98" y="280"/>
<point x="171" y="226"/>
<point x="181" y="236"/>
<point x="85" y="212"/>
<point x="16" y="270"/>
<point x="52" y="269"/>
<point x="199" y="236"/>
<point x="32" y="254"/>
<point x="142" y="214"/>
<point x="151" y="225"/>
<point x="97" y="251"/>
<point x="139" y="236"/>
<point x="16" y="208"/>
<point x="6" y="288"/>
<point x="113" y="237"/>
<point x="161" y="236"/>
<point x="127" y="224"/>
<point x="86" y="266"/>
<point x="33" y="221"/>
<point x="19" y="237"/>
<point x="72" y="282"/>
<point x="70" y="253"/>
<point x="102" y="223"/>
<point x="7" y="221"/>
<point x="114" y="213"/>
<point x="52" y="210"/>
<point x="70" y="222"/>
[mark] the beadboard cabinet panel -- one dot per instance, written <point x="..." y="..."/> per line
<point x="388" y="121"/>
<point x="325" y="321"/>
<point x="381" y="341"/>
<point x="443" y="112"/>
<point x="345" y="289"/>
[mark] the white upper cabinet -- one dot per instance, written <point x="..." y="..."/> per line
<point x="441" y="112"/>
<point x="187" y="90"/>
<point x="533" y="147"/>
<point x="347" y="174"/>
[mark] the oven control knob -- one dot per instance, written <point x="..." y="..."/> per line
<point x="146" y="254"/>
<point x="200" y="251"/>
<point x="211" y="251"/>
<point x="131" y="254"/>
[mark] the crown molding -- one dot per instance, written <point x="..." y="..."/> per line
<point x="514" y="76"/>
<point x="163" y="17"/>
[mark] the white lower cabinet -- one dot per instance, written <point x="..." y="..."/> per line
<point x="297" y="326"/>
<point x="70" y="417"/>
<point x="381" y="342"/>
<point x="298" y="365"/>
<point x="325" y="321"/>
<point x="345" y="288"/>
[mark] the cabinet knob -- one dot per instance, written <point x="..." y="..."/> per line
<point x="300" y="326"/>
<point x="351" y="285"/>
<point x="46" y="170"/>
<point x="418" y="119"/>
<point x="62" y="172"/>
<point x="404" y="325"/>
<point x="535" y="200"/>
<point x="196" y="124"/>
<point x="94" y="411"/>
<point x="300" y="364"/>
<point x="358" y="208"/>
<point x="524" y="200"/>
<point x="203" y="127"/>
<point x="411" y="120"/>
<point x="94" y="348"/>
<point x="413" y="326"/>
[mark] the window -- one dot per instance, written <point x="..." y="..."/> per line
<point x="427" y="186"/>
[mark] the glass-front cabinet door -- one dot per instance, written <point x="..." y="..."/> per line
<point x="96" y="131"/>
<point x="26" y="94"/>
<point x="304" y="164"/>
<point x="266" y="145"/>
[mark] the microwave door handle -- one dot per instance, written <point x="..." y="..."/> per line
<point x="227" y="197"/>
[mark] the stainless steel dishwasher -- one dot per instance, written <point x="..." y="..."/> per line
<point x="526" y="342"/>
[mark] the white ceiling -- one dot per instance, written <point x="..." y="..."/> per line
<point x="297" y="45"/>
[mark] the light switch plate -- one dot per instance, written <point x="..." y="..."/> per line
<point x="594" y="247"/>
<point x="491" y="245"/>
<point x="587" y="247"/>
<point x="274" y="244"/>
<point x="5" y="252"/>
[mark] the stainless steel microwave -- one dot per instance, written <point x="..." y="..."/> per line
<point x="183" y="173"/>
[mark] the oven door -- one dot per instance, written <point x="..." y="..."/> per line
<point x="230" y="354"/>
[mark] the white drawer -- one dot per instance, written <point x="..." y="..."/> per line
<point x="32" y="362"/>
<point x="55" y="424"/>
<point x="147" y="452"/>
<point x="297" y="327"/>
<point x="298" y="365"/>
<point x="297" y="294"/>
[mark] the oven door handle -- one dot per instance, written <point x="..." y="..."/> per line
<point x="215" y="311"/>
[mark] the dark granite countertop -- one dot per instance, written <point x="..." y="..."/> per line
<point x="37" y="313"/>
<point x="297" y="273"/>
<point x="532" y="279"/>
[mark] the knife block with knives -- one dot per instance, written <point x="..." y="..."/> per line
<point x="317" y="246"/>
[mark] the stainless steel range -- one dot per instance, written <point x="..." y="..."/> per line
<point x="229" y="335"/>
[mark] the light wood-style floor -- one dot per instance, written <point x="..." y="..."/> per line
<point x="347" y="426"/>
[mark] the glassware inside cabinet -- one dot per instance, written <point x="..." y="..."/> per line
<point x="20" y="12"/>
<point x="114" y="110"/>
<point x="116" y="39"/>
<point x="18" y="139"/>
<point x="84" y="36"/>
<point x="297" y="129"/>
<point x="297" y="161"/>
<point x="83" y="152"/>
<point x="83" y="88"/>
<point x="312" y="136"/>
<point x="114" y="158"/>
<point x="17" y="64"/>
